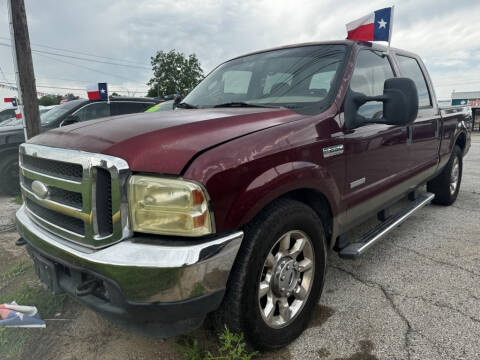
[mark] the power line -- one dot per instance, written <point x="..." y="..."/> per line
<point x="79" y="52"/>
<point x="86" y="67"/>
<point x="69" y="88"/>
<point x="75" y="80"/>
<point x="83" y="59"/>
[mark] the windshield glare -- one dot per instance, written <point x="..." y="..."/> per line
<point x="295" y="78"/>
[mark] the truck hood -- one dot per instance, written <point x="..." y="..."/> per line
<point x="165" y="141"/>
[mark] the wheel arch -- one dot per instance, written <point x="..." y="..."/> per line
<point x="8" y="152"/>
<point x="461" y="141"/>
<point x="314" y="199"/>
<point x="319" y="203"/>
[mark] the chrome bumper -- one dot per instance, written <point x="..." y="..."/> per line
<point x="146" y="271"/>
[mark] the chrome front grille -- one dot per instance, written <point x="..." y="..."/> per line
<point x="85" y="201"/>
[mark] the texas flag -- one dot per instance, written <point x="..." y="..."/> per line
<point x="97" y="91"/>
<point x="376" y="26"/>
<point x="12" y="101"/>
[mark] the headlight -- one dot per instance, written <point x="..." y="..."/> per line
<point x="168" y="206"/>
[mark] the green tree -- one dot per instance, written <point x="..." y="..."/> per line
<point x="174" y="73"/>
<point x="48" y="100"/>
<point x="115" y="94"/>
<point x="70" y="97"/>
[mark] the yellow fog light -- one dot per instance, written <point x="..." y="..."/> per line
<point x="168" y="206"/>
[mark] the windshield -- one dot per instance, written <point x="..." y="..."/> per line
<point x="295" y="78"/>
<point x="60" y="110"/>
<point x="11" y="122"/>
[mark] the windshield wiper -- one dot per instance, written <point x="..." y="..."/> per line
<point x="185" y="105"/>
<point x="242" y="104"/>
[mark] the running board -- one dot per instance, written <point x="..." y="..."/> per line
<point x="357" y="248"/>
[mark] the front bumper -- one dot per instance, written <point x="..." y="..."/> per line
<point x="146" y="279"/>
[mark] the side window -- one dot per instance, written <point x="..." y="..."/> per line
<point x="121" y="108"/>
<point x="236" y="81"/>
<point x="371" y="70"/>
<point x="93" y="111"/>
<point x="410" y="68"/>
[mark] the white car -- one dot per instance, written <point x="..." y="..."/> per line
<point x="13" y="121"/>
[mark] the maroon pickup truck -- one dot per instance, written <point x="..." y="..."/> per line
<point x="227" y="205"/>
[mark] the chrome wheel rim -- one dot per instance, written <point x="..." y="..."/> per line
<point x="286" y="279"/>
<point x="454" y="176"/>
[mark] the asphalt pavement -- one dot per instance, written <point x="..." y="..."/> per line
<point x="414" y="295"/>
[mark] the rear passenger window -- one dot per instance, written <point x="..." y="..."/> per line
<point x="93" y="111"/>
<point x="371" y="70"/>
<point x="121" y="108"/>
<point x="410" y="68"/>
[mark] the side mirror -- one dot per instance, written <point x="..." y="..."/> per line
<point x="70" y="119"/>
<point x="178" y="99"/>
<point x="400" y="104"/>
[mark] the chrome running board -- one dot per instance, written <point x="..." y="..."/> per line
<point x="354" y="250"/>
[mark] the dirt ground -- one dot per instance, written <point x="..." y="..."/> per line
<point x="416" y="295"/>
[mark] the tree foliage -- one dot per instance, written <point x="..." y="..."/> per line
<point x="174" y="73"/>
<point x="48" y="100"/>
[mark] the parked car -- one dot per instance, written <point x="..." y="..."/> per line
<point x="163" y="106"/>
<point x="71" y="112"/>
<point x="228" y="204"/>
<point x="6" y="114"/>
<point x="13" y="121"/>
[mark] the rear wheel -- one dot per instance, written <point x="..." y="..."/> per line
<point x="447" y="184"/>
<point x="278" y="276"/>
<point x="9" y="179"/>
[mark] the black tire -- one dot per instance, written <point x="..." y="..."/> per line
<point x="240" y="310"/>
<point x="441" y="185"/>
<point x="9" y="179"/>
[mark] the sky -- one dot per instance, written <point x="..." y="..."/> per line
<point x="444" y="33"/>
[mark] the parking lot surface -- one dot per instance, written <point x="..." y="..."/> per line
<point x="415" y="295"/>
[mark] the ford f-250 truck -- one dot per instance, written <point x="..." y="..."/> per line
<point x="228" y="204"/>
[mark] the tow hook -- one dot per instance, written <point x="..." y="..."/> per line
<point x="20" y="242"/>
<point x="87" y="287"/>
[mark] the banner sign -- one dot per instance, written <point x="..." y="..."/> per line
<point x="469" y="102"/>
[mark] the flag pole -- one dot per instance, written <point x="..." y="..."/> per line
<point x="108" y="94"/>
<point x="391" y="29"/>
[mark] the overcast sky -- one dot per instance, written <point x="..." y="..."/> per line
<point x="445" y="33"/>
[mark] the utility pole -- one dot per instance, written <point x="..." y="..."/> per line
<point x="22" y="59"/>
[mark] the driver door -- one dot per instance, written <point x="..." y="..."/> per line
<point x="376" y="154"/>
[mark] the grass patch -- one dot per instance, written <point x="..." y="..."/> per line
<point x="46" y="303"/>
<point x="230" y="346"/>
<point x="19" y="199"/>
<point x="12" y="340"/>
<point x="16" y="270"/>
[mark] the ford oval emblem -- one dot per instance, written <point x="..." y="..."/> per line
<point x="40" y="189"/>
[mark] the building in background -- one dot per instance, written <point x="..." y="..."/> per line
<point x="470" y="98"/>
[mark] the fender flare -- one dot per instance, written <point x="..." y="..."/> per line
<point x="278" y="181"/>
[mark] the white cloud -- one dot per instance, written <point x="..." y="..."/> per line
<point x="444" y="33"/>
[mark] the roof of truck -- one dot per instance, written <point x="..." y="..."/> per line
<point x="347" y="42"/>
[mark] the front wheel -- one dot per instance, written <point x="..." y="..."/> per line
<point x="447" y="184"/>
<point x="9" y="171"/>
<point x="278" y="276"/>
